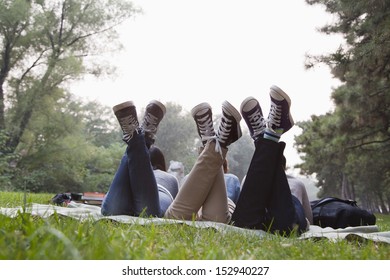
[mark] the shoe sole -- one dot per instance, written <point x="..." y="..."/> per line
<point x="123" y="105"/>
<point x="235" y="114"/>
<point x="246" y="101"/>
<point x="284" y="96"/>
<point x="200" y="107"/>
<point x="159" y="104"/>
<point x="280" y="92"/>
<point x="232" y="111"/>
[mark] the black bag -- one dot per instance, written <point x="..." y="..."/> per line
<point x="61" y="199"/>
<point x="340" y="213"/>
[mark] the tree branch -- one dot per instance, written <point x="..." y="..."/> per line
<point x="361" y="145"/>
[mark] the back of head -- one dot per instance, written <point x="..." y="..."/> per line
<point x="157" y="158"/>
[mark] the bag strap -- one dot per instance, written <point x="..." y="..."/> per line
<point x="332" y="199"/>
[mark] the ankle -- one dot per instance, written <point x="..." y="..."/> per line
<point x="271" y="135"/>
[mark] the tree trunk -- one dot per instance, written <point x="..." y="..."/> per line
<point x="2" y="108"/>
<point x="346" y="192"/>
<point x="5" y="67"/>
<point x="24" y="118"/>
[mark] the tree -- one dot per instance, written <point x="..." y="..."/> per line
<point x="361" y="117"/>
<point x="322" y="154"/>
<point x="44" y="44"/>
<point x="15" y="42"/>
<point x="62" y="150"/>
<point x="177" y="136"/>
<point x="100" y="126"/>
<point x="363" y="65"/>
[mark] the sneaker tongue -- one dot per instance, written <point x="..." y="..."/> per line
<point x="224" y="131"/>
<point x="150" y="122"/>
<point x="205" y="126"/>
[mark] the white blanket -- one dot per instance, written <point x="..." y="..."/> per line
<point x="83" y="211"/>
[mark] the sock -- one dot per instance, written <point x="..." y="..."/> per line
<point x="271" y="135"/>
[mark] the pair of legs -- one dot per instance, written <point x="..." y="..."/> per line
<point x="134" y="189"/>
<point x="265" y="200"/>
<point x="204" y="188"/>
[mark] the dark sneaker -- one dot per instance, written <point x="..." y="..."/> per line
<point x="253" y="116"/>
<point x="229" y="129"/>
<point x="203" y="117"/>
<point x="154" y="113"/>
<point x="279" y="118"/>
<point x="126" y="114"/>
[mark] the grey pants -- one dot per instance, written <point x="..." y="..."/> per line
<point x="203" y="194"/>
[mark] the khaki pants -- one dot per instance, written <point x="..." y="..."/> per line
<point x="203" y="195"/>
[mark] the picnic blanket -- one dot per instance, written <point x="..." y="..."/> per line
<point x="82" y="212"/>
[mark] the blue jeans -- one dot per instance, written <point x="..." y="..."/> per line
<point x="265" y="201"/>
<point x="232" y="186"/>
<point x="134" y="189"/>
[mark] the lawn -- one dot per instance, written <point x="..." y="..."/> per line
<point x="61" y="238"/>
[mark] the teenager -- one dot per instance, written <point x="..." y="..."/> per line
<point x="265" y="201"/>
<point x="202" y="195"/>
<point x="137" y="187"/>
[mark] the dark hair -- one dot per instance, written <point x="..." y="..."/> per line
<point x="157" y="158"/>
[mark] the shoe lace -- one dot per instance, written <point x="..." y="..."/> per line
<point x="257" y="122"/>
<point x="129" y="125"/>
<point x="150" y="123"/>
<point x="205" y="125"/>
<point x="275" y="115"/>
<point x="223" y="133"/>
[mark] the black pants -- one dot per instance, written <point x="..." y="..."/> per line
<point x="265" y="200"/>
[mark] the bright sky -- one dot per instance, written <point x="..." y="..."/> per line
<point x="214" y="50"/>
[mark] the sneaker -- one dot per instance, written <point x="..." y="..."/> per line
<point x="154" y="113"/>
<point x="203" y="117"/>
<point x="229" y="129"/>
<point x="279" y="118"/>
<point x="253" y="116"/>
<point x="126" y="114"/>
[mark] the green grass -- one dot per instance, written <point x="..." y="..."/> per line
<point x="32" y="238"/>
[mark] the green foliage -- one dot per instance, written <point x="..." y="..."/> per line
<point x="48" y="140"/>
<point x="6" y="161"/>
<point x="349" y="149"/>
<point x="45" y="44"/>
<point x="320" y="154"/>
<point x="101" y="166"/>
<point x="66" y="148"/>
<point x="177" y="136"/>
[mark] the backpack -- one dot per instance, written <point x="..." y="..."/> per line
<point x="340" y="213"/>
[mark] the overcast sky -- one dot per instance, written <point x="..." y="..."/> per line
<point x="214" y="50"/>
